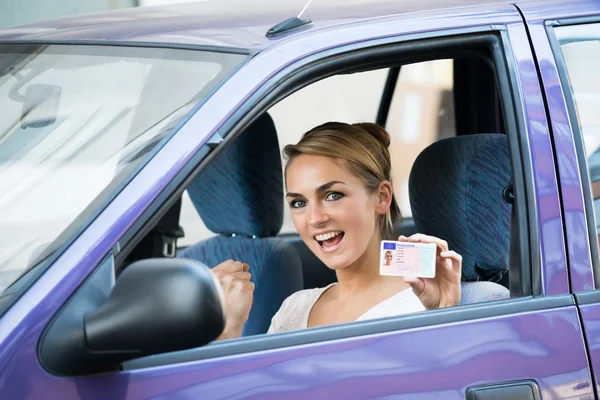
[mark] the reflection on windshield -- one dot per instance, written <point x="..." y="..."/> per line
<point x="72" y="118"/>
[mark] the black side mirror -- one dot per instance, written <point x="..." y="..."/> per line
<point x="156" y="306"/>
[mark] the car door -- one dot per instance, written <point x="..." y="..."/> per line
<point x="566" y="41"/>
<point x="527" y="346"/>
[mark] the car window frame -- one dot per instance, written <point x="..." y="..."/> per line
<point x="578" y="139"/>
<point x="304" y="71"/>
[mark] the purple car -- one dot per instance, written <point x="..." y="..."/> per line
<point x="140" y="148"/>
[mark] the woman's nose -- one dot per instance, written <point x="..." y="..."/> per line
<point x="318" y="216"/>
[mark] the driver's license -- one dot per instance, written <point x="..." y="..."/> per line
<point x="407" y="259"/>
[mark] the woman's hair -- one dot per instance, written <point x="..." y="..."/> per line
<point x="363" y="147"/>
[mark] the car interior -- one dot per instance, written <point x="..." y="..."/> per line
<point x="459" y="188"/>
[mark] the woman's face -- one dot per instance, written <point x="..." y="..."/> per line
<point x="388" y="258"/>
<point x="333" y="212"/>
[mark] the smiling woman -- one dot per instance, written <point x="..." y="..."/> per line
<point x="341" y="199"/>
<point x="338" y="179"/>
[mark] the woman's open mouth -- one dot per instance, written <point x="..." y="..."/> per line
<point x="330" y="240"/>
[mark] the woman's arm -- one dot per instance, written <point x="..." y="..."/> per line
<point x="234" y="277"/>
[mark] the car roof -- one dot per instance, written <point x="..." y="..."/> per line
<point x="226" y="23"/>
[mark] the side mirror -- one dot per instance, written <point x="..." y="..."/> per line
<point x="156" y="306"/>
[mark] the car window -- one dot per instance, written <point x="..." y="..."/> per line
<point x="74" y="117"/>
<point x="580" y="46"/>
<point x="421" y="112"/>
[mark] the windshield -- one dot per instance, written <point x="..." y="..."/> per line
<point x="72" y="119"/>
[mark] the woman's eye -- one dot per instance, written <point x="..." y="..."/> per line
<point x="333" y="196"/>
<point x="297" y="203"/>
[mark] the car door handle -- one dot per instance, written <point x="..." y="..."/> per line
<point x="520" y="390"/>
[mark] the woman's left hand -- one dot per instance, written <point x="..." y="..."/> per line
<point x="443" y="290"/>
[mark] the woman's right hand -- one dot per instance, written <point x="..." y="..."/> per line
<point x="238" y="290"/>
<point x="444" y="290"/>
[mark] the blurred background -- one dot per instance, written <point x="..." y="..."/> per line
<point x="19" y="12"/>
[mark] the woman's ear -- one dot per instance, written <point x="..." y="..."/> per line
<point x="384" y="196"/>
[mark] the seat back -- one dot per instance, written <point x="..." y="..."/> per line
<point x="239" y="196"/>
<point x="455" y="189"/>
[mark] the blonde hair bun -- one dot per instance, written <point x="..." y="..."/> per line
<point x="376" y="131"/>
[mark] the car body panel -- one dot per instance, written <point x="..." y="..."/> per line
<point x="440" y="361"/>
<point x="579" y="253"/>
<point x="590" y="317"/>
<point x="581" y="269"/>
<point x="229" y="23"/>
<point x="539" y="10"/>
<point x="553" y="274"/>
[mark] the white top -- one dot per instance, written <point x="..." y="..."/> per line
<point x="295" y="310"/>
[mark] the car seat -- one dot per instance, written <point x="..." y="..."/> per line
<point x="455" y="190"/>
<point x="239" y="196"/>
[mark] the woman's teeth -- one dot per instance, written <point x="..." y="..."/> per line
<point x="327" y="236"/>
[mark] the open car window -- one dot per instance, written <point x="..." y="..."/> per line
<point x="421" y="112"/>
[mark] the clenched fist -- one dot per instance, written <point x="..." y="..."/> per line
<point x="238" y="290"/>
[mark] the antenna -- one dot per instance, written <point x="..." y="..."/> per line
<point x="304" y="9"/>
<point x="290" y="24"/>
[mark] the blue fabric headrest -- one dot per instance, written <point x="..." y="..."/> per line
<point x="241" y="190"/>
<point x="455" y="189"/>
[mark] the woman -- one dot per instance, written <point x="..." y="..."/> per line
<point x="387" y="258"/>
<point x="339" y="190"/>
